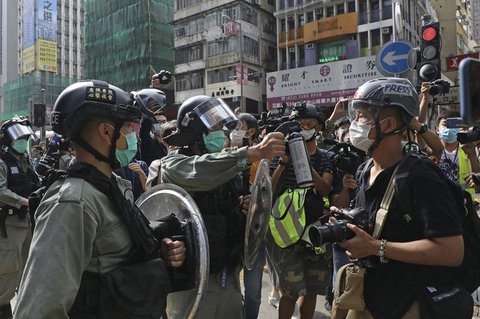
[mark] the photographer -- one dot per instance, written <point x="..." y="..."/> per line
<point x="312" y="273"/>
<point x="414" y="246"/>
<point x="457" y="160"/>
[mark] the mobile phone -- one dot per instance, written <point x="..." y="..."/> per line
<point x="456" y="122"/>
<point x="469" y="87"/>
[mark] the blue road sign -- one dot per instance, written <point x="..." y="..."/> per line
<point x="393" y="58"/>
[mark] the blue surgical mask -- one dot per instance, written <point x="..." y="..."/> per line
<point x="214" y="141"/>
<point x="20" y="146"/>
<point x="449" y="135"/>
<point x="124" y="157"/>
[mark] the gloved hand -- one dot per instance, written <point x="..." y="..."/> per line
<point x="164" y="77"/>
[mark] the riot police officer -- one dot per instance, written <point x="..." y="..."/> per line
<point x="17" y="181"/>
<point x="208" y="174"/>
<point x="90" y="240"/>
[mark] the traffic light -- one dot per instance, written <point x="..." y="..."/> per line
<point x="429" y="65"/>
<point x="39" y="115"/>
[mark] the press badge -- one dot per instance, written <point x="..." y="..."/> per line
<point x="14" y="170"/>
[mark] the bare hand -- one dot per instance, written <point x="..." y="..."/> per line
<point x="340" y="110"/>
<point x="272" y="145"/>
<point x="135" y="167"/>
<point x="425" y="87"/>
<point x="173" y="252"/>
<point x="414" y="124"/>
<point x="360" y="246"/>
<point x="349" y="181"/>
<point x="245" y="203"/>
<point x="470" y="180"/>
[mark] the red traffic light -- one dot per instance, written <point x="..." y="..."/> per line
<point x="429" y="34"/>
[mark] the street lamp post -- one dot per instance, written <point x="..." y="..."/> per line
<point x="242" y="104"/>
<point x="42" y="128"/>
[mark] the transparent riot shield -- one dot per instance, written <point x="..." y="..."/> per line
<point x="258" y="214"/>
<point x="160" y="202"/>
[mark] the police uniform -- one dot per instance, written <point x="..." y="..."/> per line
<point x="17" y="181"/>
<point x="73" y="214"/>
<point x="200" y="176"/>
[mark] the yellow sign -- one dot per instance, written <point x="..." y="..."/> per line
<point x="47" y="55"/>
<point x="28" y="60"/>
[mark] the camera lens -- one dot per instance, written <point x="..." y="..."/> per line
<point x="331" y="232"/>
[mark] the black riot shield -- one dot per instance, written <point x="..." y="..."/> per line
<point x="190" y="281"/>
<point x="258" y="214"/>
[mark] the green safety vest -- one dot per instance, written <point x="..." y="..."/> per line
<point x="287" y="220"/>
<point x="463" y="169"/>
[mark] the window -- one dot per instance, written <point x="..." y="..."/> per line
<point x="220" y="47"/>
<point x="189" y="81"/>
<point x="387" y="10"/>
<point x="319" y="14"/>
<point x="249" y="15"/>
<point x="309" y="16"/>
<point x="364" y="40"/>
<point x="221" y="75"/>
<point x="340" y="8"/>
<point x="329" y="12"/>
<point x="189" y="54"/>
<point x="374" y="11"/>
<point x="291" y="23"/>
<point x="351" y="6"/>
<point x="181" y="4"/>
<point x="301" y="20"/>
<point x="375" y="37"/>
<point x="282" y="25"/>
<point x="250" y="46"/>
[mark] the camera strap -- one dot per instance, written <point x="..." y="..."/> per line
<point x="382" y="212"/>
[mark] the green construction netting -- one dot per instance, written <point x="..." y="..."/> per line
<point x="17" y="93"/>
<point x="125" y="39"/>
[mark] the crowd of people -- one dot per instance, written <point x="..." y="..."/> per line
<point x="85" y="250"/>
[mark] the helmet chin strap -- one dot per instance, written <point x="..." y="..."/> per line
<point x="380" y="135"/>
<point x="111" y="159"/>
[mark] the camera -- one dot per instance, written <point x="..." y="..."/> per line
<point x="469" y="136"/>
<point x="439" y="87"/>
<point x="337" y="231"/>
<point x="347" y="158"/>
<point x="272" y="119"/>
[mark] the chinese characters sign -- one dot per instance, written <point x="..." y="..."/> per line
<point x="323" y="84"/>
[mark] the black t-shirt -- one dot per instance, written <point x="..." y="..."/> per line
<point x="391" y="288"/>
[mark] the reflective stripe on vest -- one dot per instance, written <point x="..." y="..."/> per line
<point x="463" y="169"/>
<point x="287" y="220"/>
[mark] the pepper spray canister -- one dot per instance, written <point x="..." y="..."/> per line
<point x="300" y="160"/>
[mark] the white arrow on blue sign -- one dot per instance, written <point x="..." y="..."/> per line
<point x="393" y="58"/>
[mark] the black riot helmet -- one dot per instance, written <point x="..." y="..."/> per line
<point x="85" y="100"/>
<point x="198" y="115"/>
<point x="305" y="110"/>
<point x="150" y="102"/>
<point x="15" y="128"/>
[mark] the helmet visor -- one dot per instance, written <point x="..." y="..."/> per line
<point x="18" y="130"/>
<point x="363" y="111"/>
<point x="215" y="113"/>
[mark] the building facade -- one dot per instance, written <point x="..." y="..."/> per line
<point x="8" y="44"/>
<point x="326" y="49"/>
<point x="128" y="41"/>
<point x="50" y="53"/>
<point x="224" y="49"/>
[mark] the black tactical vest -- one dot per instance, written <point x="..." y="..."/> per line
<point x="225" y="223"/>
<point x="20" y="181"/>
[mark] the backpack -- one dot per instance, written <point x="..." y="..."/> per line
<point x="468" y="273"/>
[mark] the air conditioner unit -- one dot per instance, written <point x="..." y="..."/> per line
<point x="291" y="49"/>
<point x="310" y="46"/>
<point x="386" y="30"/>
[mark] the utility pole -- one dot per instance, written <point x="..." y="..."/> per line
<point x="242" y="103"/>
<point x="42" y="128"/>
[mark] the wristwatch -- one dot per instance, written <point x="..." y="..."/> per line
<point x="423" y="129"/>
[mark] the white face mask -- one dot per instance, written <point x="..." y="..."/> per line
<point x="358" y="133"/>
<point x="236" y="137"/>
<point x="308" y="134"/>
